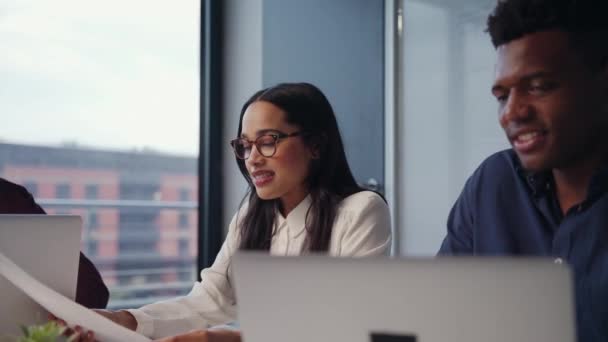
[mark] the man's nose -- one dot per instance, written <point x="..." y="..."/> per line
<point x="517" y="108"/>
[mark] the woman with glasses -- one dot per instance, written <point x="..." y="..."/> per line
<point x="302" y="198"/>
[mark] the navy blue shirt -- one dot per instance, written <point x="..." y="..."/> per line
<point x="503" y="210"/>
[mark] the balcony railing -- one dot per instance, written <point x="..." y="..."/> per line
<point x="136" y="277"/>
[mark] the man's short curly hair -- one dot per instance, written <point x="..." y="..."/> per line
<point x="585" y="19"/>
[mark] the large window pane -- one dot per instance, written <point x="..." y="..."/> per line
<point x="100" y="119"/>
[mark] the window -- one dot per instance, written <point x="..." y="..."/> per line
<point x="92" y="248"/>
<point x="93" y="220"/>
<point x="91" y="191"/>
<point x="134" y="247"/>
<point x="183" y="247"/>
<point x="62" y="191"/>
<point x="137" y="221"/>
<point x="117" y="116"/>
<point x="183" y="220"/>
<point x="186" y="275"/>
<point x="136" y="191"/>
<point x="184" y="195"/>
<point x="31" y="187"/>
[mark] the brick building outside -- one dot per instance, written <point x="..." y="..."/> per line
<point x="138" y="210"/>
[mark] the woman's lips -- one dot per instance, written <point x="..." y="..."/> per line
<point x="262" y="178"/>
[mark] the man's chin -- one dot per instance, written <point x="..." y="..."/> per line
<point x="533" y="163"/>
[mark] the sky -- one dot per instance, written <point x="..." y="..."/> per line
<point x="116" y="75"/>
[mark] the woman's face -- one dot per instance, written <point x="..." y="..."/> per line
<point x="284" y="174"/>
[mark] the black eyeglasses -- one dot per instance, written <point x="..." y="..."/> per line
<point x="265" y="144"/>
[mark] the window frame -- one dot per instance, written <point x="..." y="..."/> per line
<point x="210" y="232"/>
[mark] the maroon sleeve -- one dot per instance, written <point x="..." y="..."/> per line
<point x="90" y="289"/>
<point x="14" y="199"/>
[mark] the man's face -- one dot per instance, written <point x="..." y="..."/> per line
<point x="551" y="104"/>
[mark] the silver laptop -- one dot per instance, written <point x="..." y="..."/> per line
<point x="47" y="247"/>
<point x="316" y="298"/>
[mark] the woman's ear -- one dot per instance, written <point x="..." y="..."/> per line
<point x="315" y="151"/>
<point x="317" y="145"/>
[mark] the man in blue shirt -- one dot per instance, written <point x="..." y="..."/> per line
<point x="547" y="196"/>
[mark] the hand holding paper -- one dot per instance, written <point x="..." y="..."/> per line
<point x="60" y="306"/>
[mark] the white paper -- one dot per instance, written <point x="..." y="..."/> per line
<point x="63" y="307"/>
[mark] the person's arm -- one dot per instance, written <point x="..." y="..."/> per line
<point x="80" y="335"/>
<point x="91" y="291"/>
<point x="206" y="336"/>
<point x="363" y="226"/>
<point x="210" y="302"/>
<point x="122" y="317"/>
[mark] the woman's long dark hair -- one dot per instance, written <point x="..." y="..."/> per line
<point x="329" y="181"/>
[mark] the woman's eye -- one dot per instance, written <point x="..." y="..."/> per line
<point x="266" y="141"/>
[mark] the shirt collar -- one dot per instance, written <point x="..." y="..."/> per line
<point x="296" y="219"/>
<point x="542" y="182"/>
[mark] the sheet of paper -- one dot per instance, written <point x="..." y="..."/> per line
<point x="60" y="306"/>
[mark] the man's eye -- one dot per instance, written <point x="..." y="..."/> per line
<point x="540" y="88"/>
<point x="537" y="89"/>
<point x="501" y="98"/>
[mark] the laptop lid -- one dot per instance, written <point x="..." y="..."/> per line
<point x="317" y="298"/>
<point x="45" y="246"/>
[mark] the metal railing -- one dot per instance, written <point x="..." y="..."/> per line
<point x="135" y="278"/>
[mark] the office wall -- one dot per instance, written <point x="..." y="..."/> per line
<point x="448" y="118"/>
<point x="338" y="46"/>
<point x="242" y="72"/>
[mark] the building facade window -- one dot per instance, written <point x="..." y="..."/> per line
<point x="184" y="247"/>
<point x="62" y="191"/>
<point x="183" y="220"/>
<point x="134" y="191"/>
<point x="91" y="191"/>
<point x="92" y="248"/>
<point x="93" y="220"/>
<point x="184" y="194"/>
<point x="32" y="187"/>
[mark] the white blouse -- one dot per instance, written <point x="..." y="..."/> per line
<point x="362" y="228"/>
